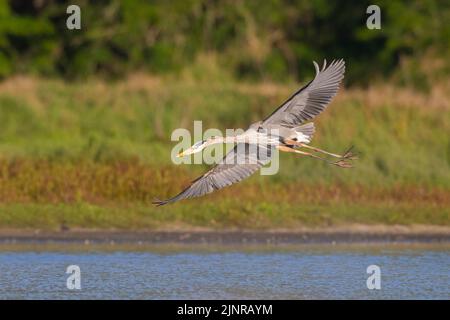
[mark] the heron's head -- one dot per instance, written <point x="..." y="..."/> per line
<point x="200" y="145"/>
<point x="196" y="147"/>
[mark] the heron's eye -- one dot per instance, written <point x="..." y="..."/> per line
<point x="261" y="130"/>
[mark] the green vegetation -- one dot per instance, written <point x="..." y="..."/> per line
<point x="275" y="39"/>
<point x="224" y="214"/>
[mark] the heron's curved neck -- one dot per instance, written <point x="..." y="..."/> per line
<point x="230" y="139"/>
<point x="245" y="137"/>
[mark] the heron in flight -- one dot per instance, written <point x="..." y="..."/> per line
<point x="285" y="129"/>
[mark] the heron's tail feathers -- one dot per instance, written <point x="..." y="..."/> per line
<point x="304" y="133"/>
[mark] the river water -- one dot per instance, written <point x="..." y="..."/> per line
<point x="302" y="272"/>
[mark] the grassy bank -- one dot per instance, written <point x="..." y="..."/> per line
<point x="226" y="215"/>
<point x="95" y="154"/>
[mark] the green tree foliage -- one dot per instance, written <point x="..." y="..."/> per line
<point x="273" y="39"/>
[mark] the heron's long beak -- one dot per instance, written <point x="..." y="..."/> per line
<point x="191" y="150"/>
<point x="185" y="153"/>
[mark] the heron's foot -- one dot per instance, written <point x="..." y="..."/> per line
<point x="343" y="163"/>
<point x="346" y="159"/>
<point x="349" y="155"/>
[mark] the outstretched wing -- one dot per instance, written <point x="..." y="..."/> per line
<point x="238" y="164"/>
<point x="312" y="99"/>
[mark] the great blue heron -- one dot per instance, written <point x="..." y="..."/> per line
<point x="284" y="130"/>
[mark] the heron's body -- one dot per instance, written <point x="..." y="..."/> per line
<point x="286" y="129"/>
<point x="270" y="135"/>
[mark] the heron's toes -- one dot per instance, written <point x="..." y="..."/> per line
<point x="343" y="163"/>
<point x="349" y="155"/>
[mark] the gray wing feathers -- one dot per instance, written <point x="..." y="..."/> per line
<point x="312" y="99"/>
<point x="238" y="164"/>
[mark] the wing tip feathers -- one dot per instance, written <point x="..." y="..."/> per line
<point x="316" y="66"/>
<point x="159" y="202"/>
<point x="336" y="63"/>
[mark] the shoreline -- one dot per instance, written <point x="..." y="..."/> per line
<point x="330" y="235"/>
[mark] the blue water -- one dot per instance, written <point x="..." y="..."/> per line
<point x="289" y="274"/>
